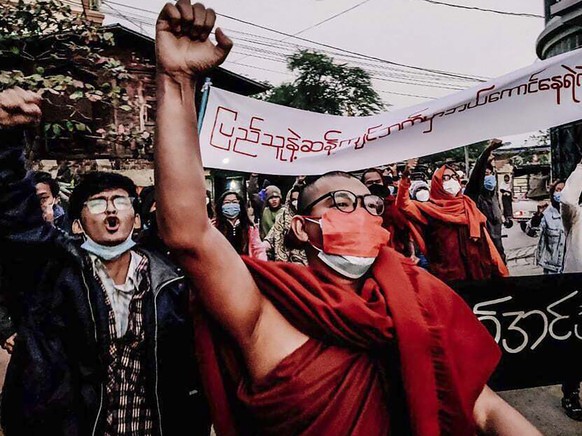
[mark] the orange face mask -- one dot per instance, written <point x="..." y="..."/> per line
<point x="358" y="234"/>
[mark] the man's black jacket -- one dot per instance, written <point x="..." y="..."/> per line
<point x="55" y="381"/>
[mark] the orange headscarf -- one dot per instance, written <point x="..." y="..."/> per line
<point x="455" y="210"/>
<point x="459" y="210"/>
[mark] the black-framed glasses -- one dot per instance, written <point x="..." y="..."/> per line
<point x="99" y="205"/>
<point x="347" y="202"/>
<point x="447" y="177"/>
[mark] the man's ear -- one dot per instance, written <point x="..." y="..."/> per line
<point x="77" y="228"/>
<point x="298" y="229"/>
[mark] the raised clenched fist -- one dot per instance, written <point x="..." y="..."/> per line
<point x="182" y="45"/>
<point x="19" y="107"/>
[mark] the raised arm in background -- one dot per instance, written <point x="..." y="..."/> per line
<point x="226" y="288"/>
<point x="477" y="178"/>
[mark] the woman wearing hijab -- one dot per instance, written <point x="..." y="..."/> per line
<point x="450" y="230"/>
<point x="233" y="222"/>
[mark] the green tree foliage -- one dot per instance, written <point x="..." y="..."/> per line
<point x="326" y="87"/>
<point x="46" y="47"/>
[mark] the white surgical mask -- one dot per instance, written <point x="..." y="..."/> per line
<point x="422" y="195"/>
<point x="452" y="187"/>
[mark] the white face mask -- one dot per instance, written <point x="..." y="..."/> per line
<point x="422" y="195"/>
<point x="452" y="187"/>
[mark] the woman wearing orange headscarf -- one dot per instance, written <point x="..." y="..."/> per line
<point x="450" y="230"/>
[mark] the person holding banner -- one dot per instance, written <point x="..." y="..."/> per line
<point x="571" y="211"/>
<point x="360" y="342"/>
<point x="547" y="222"/>
<point x="450" y="230"/>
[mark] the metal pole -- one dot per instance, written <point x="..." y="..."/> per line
<point x="204" y="102"/>
<point x="467" y="169"/>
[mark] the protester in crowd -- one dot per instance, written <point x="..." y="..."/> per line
<point x="547" y="223"/>
<point x="322" y="349"/>
<point x="273" y="207"/>
<point x="209" y="205"/>
<point x="104" y="343"/>
<point x="392" y="219"/>
<point x="507" y="197"/>
<point x="482" y="190"/>
<point x="450" y="230"/>
<point x="372" y="176"/>
<point x="234" y="223"/>
<point x="47" y="192"/>
<point x="149" y="237"/>
<point x="278" y="244"/>
<point x="571" y="211"/>
<point x="463" y="185"/>
<point x="419" y="191"/>
<point x="256" y="194"/>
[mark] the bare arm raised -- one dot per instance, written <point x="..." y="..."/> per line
<point x="226" y="287"/>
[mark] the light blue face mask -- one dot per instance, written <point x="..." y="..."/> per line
<point x="107" y="252"/>
<point x="231" y="210"/>
<point x="557" y="197"/>
<point x="490" y="182"/>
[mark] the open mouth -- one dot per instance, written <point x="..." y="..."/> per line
<point x="112" y="224"/>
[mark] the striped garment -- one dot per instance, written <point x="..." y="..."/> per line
<point x="129" y="410"/>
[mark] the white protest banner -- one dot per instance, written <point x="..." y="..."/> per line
<point x="245" y="134"/>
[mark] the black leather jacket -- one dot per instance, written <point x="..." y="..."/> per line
<point x="55" y="381"/>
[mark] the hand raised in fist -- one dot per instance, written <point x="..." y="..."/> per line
<point x="182" y="45"/>
<point x="19" y="107"/>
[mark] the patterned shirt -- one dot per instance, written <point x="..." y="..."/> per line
<point x="119" y="295"/>
<point x="128" y="409"/>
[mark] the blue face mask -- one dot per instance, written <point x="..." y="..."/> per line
<point x="106" y="252"/>
<point x="231" y="210"/>
<point x="557" y="197"/>
<point x="490" y="182"/>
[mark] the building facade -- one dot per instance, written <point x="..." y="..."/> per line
<point x="563" y="33"/>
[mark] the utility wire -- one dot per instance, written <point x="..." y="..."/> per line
<point x="447" y="73"/>
<point x="331" y="18"/>
<point x="474" y="8"/>
<point x="314" y="25"/>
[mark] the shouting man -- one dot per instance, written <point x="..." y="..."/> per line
<point x="104" y="343"/>
<point x="360" y="342"/>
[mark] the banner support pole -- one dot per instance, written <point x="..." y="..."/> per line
<point x="204" y="102"/>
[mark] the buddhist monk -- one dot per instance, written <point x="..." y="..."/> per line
<point x="360" y="342"/>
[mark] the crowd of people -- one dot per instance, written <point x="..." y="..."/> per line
<point x="320" y="310"/>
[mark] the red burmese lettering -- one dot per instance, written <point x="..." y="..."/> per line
<point x="219" y="138"/>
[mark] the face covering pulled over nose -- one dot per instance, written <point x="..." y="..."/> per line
<point x="231" y="210"/>
<point x="490" y="182"/>
<point x="452" y="187"/>
<point x="351" y="241"/>
<point x="107" y="252"/>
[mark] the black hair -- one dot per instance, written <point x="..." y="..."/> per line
<point x="371" y="170"/>
<point x="309" y="186"/>
<point x="95" y="182"/>
<point x="46" y="178"/>
<point x="244" y="220"/>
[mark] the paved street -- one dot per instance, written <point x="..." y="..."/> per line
<point x="520" y="252"/>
